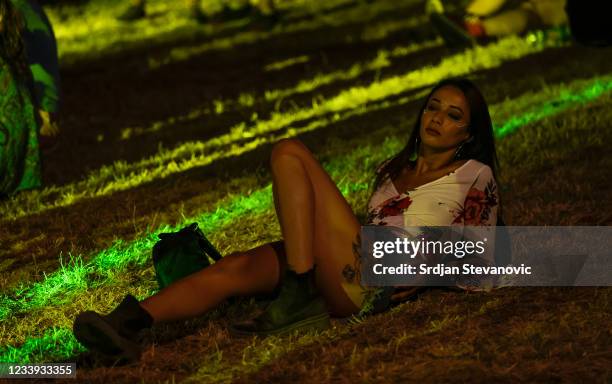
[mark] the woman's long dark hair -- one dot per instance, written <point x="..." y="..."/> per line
<point x="11" y="40"/>
<point x="481" y="147"/>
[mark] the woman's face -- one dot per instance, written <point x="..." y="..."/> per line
<point x="445" y="120"/>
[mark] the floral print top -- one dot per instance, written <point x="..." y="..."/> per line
<point x="19" y="155"/>
<point x="466" y="197"/>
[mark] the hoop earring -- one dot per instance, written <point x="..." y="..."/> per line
<point x="459" y="151"/>
<point x="415" y="153"/>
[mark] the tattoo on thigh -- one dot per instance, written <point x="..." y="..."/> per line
<point x="352" y="273"/>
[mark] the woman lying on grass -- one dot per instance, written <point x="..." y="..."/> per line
<point x="444" y="176"/>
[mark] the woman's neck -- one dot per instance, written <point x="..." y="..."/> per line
<point x="430" y="161"/>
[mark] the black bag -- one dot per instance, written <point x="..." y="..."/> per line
<point x="179" y="254"/>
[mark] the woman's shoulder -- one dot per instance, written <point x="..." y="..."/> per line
<point x="476" y="169"/>
<point x="474" y="165"/>
<point x="474" y="173"/>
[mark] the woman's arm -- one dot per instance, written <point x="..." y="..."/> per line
<point x="479" y="217"/>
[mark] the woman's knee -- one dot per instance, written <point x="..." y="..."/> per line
<point x="286" y="147"/>
<point x="234" y="264"/>
<point x="252" y="271"/>
<point x="246" y="263"/>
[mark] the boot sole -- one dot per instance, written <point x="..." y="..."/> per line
<point x="92" y="331"/>
<point x="319" y="322"/>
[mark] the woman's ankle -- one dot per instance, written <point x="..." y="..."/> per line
<point x="146" y="307"/>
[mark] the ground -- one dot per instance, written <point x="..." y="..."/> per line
<point x="165" y="122"/>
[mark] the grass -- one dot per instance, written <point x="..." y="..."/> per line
<point x="348" y="16"/>
<point x="244" y="137"/>
<point x="279" y="65"/>
<point x="444" y="337"/>
<point x="276" y="96"/>
<point x="507" y="335"/>
<point x="85" y="31"/>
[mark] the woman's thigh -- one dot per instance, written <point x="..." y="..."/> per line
<point x="336" y="230"/>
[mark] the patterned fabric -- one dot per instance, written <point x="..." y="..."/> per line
<point x="465" y="197"/>
<point x="41" y="49"/>
<point x="19" y="153"/>
<point x="479" y="205"/>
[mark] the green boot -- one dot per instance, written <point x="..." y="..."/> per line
<point x="297" y="307"/>
<point x="116" y="334"/>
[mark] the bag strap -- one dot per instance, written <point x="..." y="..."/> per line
<point x="206" y="245"/>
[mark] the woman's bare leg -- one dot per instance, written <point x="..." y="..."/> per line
<point x="240" y="274"/>
<point x="317" y="223"/>
<point x="295" y="204"/>
<point x="318" y="226"/>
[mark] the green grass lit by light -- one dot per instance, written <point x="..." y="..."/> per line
<point x="564" y="100"/>
<point x="361" y="14"/>
<point x="380" y="30"/>
<point x="244" y="137"/>
<point x="278" y="65"/>
<point x="102" y="31"/>
<point x="91" y="30"/>
<point x="379" y="62"/>
<point x="73" y="278"/>
<point x="56" y="344"/>
<point x="382" y="60"/>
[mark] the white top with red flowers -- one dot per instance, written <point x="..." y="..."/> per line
<point x="466" y="197"/>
